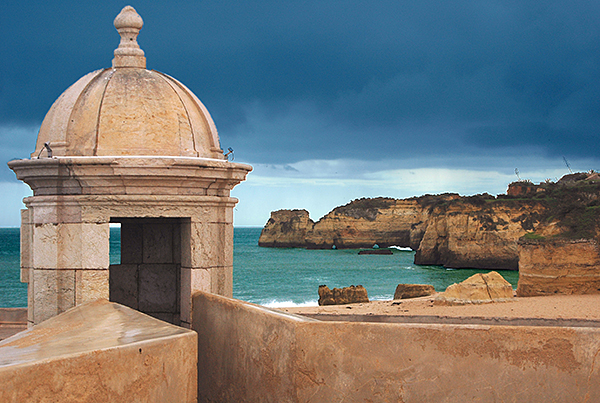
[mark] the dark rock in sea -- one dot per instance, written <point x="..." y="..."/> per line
<point x="376" y="252"/>
<point x="405" y="291"/>
<point x="342" y="296"/>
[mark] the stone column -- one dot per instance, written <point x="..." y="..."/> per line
<point x="68" y="259"/>
<point x="207" y="263"/>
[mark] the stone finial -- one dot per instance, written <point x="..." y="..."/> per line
<point x="128" y="23"/>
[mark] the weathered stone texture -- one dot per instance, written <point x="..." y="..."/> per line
<point x="558" y="267"/>
<point x="132" y="146"/>
<point x="405" y="291"/>
<point x="100" y="352"/>
<point x="285" y="358"/>
<point x="480" y="288"/>
<point x="366" y="222"/>
<point x="342" y="296"/>
<point x="286" y="229"/>
<point x="469" y="236"/>
<point x="443" y="230"/>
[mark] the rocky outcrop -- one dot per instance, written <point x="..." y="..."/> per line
<point x="459" y="232"/>
<point x="366" y="222"/>
<point x="477" y="232"/>
<point x="406" y="291"/>
<point x="361" y="223"/>
<point x="558" y="266"/>
<point x="342" y="296"/>
<point x="480" y="288"/>
<point x="375" y="252"/>
<point x="286" y="229"/>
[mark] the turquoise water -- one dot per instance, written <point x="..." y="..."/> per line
<point x="13" y="293"/>
<point x="277" y="277"/>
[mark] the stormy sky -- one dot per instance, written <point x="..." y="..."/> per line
<point x="336" y="100"/>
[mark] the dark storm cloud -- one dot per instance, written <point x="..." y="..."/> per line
<point x="290" y="80"/>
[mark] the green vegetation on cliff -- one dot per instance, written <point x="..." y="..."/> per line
<point x="573" y="203"/>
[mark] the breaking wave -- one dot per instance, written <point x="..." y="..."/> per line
<point x="403" y="248"/>
<point x="289" y="304"/>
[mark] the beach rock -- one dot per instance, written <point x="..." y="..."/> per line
<point x="479" y="231"/>
<point x="478" y="289"/>
<point x="342" y="296"/>
<point x="405" y="291"/>
<point x="549" y="267"/>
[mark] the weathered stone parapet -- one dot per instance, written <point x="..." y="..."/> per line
<point x="100" y="352"/>
<point x="250" y="353"/>
<point x="558" y="266"/>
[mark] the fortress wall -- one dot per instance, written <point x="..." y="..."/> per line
<point x="12" y="321"/>
<point x="99" y="352"/>
<point x="245" y="351"/>
<point x="250" y="353"/>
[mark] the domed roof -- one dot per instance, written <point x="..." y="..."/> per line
<point x="128" y="110"/>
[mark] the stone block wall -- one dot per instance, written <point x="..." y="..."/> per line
<point x="66" y="241"/>
<point x="64" y="259"/>
<point x="253" y="354"/>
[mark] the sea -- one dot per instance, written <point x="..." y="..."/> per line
<point x="278" y="277"/>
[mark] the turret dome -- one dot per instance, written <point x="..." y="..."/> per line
<point x="128" y="110"/>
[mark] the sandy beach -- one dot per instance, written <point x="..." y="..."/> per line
<point x="578" y="308"/>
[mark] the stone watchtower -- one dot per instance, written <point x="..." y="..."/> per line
<point x="136" y="147"/>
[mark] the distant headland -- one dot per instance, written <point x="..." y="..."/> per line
<point x="480" y="231"/>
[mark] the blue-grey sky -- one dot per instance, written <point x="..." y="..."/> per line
<point x="335" y="100"/>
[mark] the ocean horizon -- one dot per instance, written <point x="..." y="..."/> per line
<point x="277" y="277"/>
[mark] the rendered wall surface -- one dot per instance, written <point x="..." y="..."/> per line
<point x="248" y="353"/>
<point x="99" y="352"/>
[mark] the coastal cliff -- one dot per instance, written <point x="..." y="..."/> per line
<point x="480" y="231"/>
<point x="467" y="232"/>
<point x="558" y="266"/>
<point x="286" y="229"/>
<point x="477" y="232"/>
<point x="366" y="222"/>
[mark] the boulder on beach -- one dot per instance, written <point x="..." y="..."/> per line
<point x="342" y="296"/>
<point x="405" y="291"/>
<point x="480" y="288"/>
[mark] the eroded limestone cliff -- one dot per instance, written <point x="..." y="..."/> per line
<point x="479" y="231"/>
<point x="366" y="222"/>
<point x="286" y="229"/>
<point x="475" y="232"/>
<point x="558" y="266"/>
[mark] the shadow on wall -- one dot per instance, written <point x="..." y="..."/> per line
<point x="250" y="353"/>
